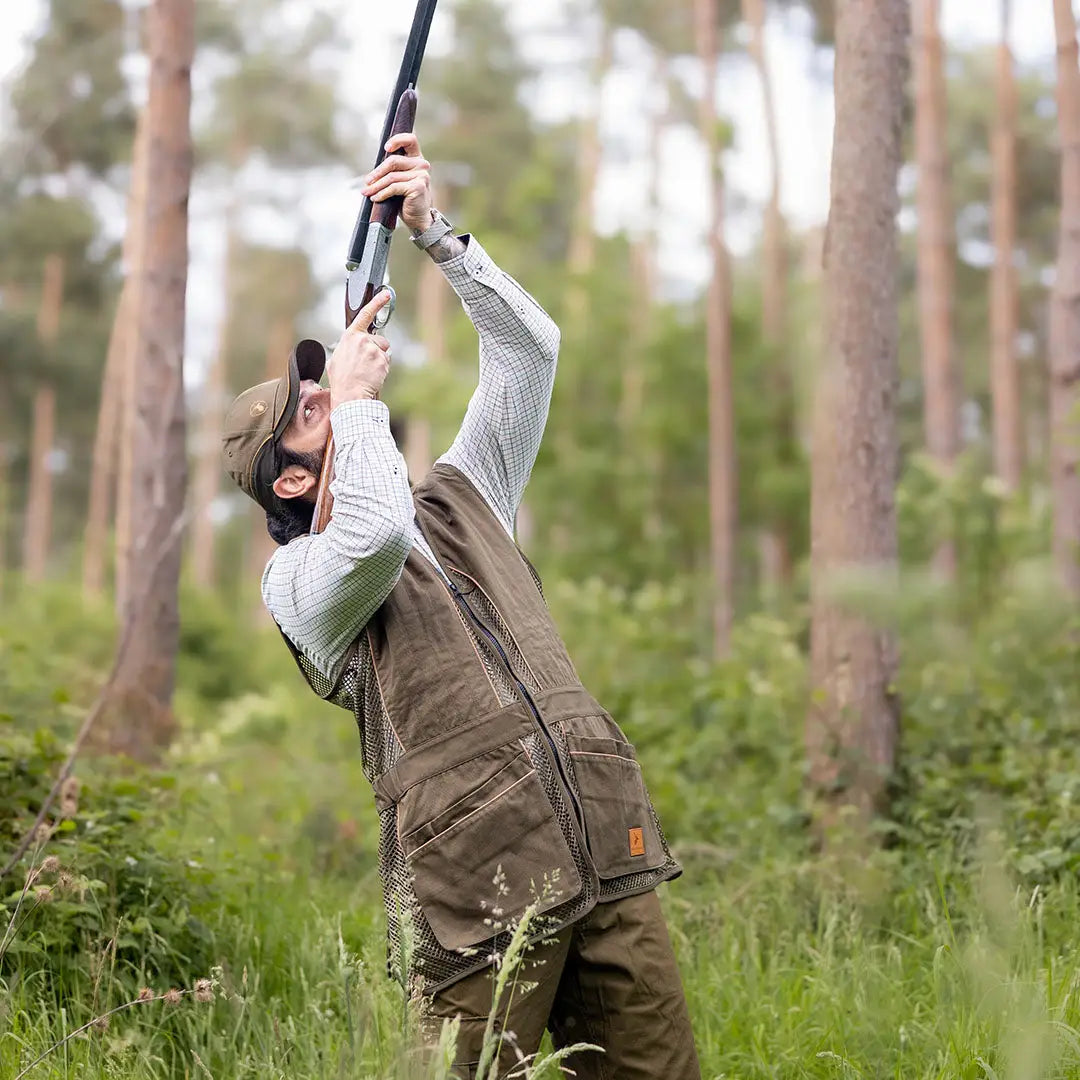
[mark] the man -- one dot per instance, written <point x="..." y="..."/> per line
<point x="500" y="783"/>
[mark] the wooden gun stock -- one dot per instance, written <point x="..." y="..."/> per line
<point x="384" y="214"/>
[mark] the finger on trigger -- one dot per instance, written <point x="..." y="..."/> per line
<point x="366" y="315"/>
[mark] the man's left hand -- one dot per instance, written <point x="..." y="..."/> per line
<point x="407" y="174"/>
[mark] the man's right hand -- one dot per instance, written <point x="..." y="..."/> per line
<point x="361" y="361"/>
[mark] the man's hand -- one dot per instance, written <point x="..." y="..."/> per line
<point x="408" y="174"/>
<point x="361" y="361"/>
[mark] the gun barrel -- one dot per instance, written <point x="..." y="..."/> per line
<point x="408" y="76"/>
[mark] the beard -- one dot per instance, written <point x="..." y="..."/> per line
<point x="310" y="460"/>
<point x="292" y="517"/>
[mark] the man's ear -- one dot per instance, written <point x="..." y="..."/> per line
<point x="294" y="483"/>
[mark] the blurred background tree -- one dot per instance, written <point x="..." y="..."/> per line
<point x="621" y="490"/>
<point x="66" y="138"/>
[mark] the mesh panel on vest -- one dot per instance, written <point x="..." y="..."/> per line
<point x="380" y="748"/>
<point x="340" y="693"/>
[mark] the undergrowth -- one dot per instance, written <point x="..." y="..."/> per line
<point x="249" y="857"/>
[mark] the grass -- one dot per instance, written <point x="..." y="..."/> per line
<point x="935" y="957"/>
<point x="784" y="979"/>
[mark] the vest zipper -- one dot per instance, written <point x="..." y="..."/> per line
<point x="523" y="693"/>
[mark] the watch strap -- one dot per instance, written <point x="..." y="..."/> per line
<point x="438" y="228"/>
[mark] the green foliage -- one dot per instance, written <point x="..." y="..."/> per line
<point x="253" y="858"/>
<point x="72" y="103"/>
<point x="215" y="661"/>
<point x="995" y="538"/>
<point x="118" y="891"/>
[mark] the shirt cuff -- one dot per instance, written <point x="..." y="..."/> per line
<point x="471" y="273"/>
<point x="351" y="420"/>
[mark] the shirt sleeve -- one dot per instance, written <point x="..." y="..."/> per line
<point x="519" y="347"/>
<point x="322" y="590"/>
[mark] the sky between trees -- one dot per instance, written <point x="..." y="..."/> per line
<point x="323" y="207"/>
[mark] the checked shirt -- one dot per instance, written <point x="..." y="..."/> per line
<point x="322" y="590"/>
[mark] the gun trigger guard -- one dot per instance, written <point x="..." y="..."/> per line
<point x="383" y="315"/>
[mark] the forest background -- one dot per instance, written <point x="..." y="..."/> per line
<point x="885" y="888"/>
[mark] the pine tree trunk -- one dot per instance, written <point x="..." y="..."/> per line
<point x="204" y="487"/>
<point x="135" y="259"/>
<point x="581" y="253"/>
<point x="580" y="256"/>
<point x="5" y="513"/>
<point x="643" y="263"/>
<point x="1065" y="315"/>
<point x="936" y="252"/>
<point x="645" y="275"/>
<point x="722" y="475"/>
<point x="852" y="727"/>
<point x="214" y="400"/>
<point x="147" y="673"/>
<point x="37" y="530"/>
<point x="103" y="459"/>
<point x="105" y="465"/>
<point x="1004" y="298"/>
<point x="773" y="547"/>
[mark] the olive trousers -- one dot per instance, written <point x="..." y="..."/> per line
<point x="610" y="979"/>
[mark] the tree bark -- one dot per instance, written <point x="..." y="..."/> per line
<point x="214" y="398"/>
<point x="37" y="528"/>
<point x="1065" y="315"/>
<point x="103" y="460"/>
<point x="581" y="253"/>
<point x="852" y="726"/>
<point x="105" y="465"/>
<point x="205" y="486"/>
<point x="773" y="547"/>
<point x="145" y="682"/>
<point x="135" y="258"/>
<point x="936" y="253"/>
<point x="644" y="271"/>
<point x="722" y="475"/>
<point x="1004" y="297"/>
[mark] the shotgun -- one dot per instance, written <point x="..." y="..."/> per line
<point x="367" y="263"/>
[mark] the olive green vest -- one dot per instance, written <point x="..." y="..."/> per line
<point x="500" y="782"/>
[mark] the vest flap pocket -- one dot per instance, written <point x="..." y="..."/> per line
<point x="482" y="845"/>
<point x="619" y="821"/>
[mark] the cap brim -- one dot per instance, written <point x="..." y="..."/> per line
<point x="306" y="361"/>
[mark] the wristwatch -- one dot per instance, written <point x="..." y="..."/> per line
<point x="438" y="228"/>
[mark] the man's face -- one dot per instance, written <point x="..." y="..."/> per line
<point x="310" y="427"/>
<point x="305" y="436"/>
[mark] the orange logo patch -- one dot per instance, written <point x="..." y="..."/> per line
<point x="258" y="408"/>
<point x="637" y="842"/>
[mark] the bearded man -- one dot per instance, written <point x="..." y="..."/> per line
<point x="501" y="785"/>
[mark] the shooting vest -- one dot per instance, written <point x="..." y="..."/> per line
<point x="499" y="781"/>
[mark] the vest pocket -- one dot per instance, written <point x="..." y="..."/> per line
<point x="482" y="843"/>
<point x="619" y="820"/>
